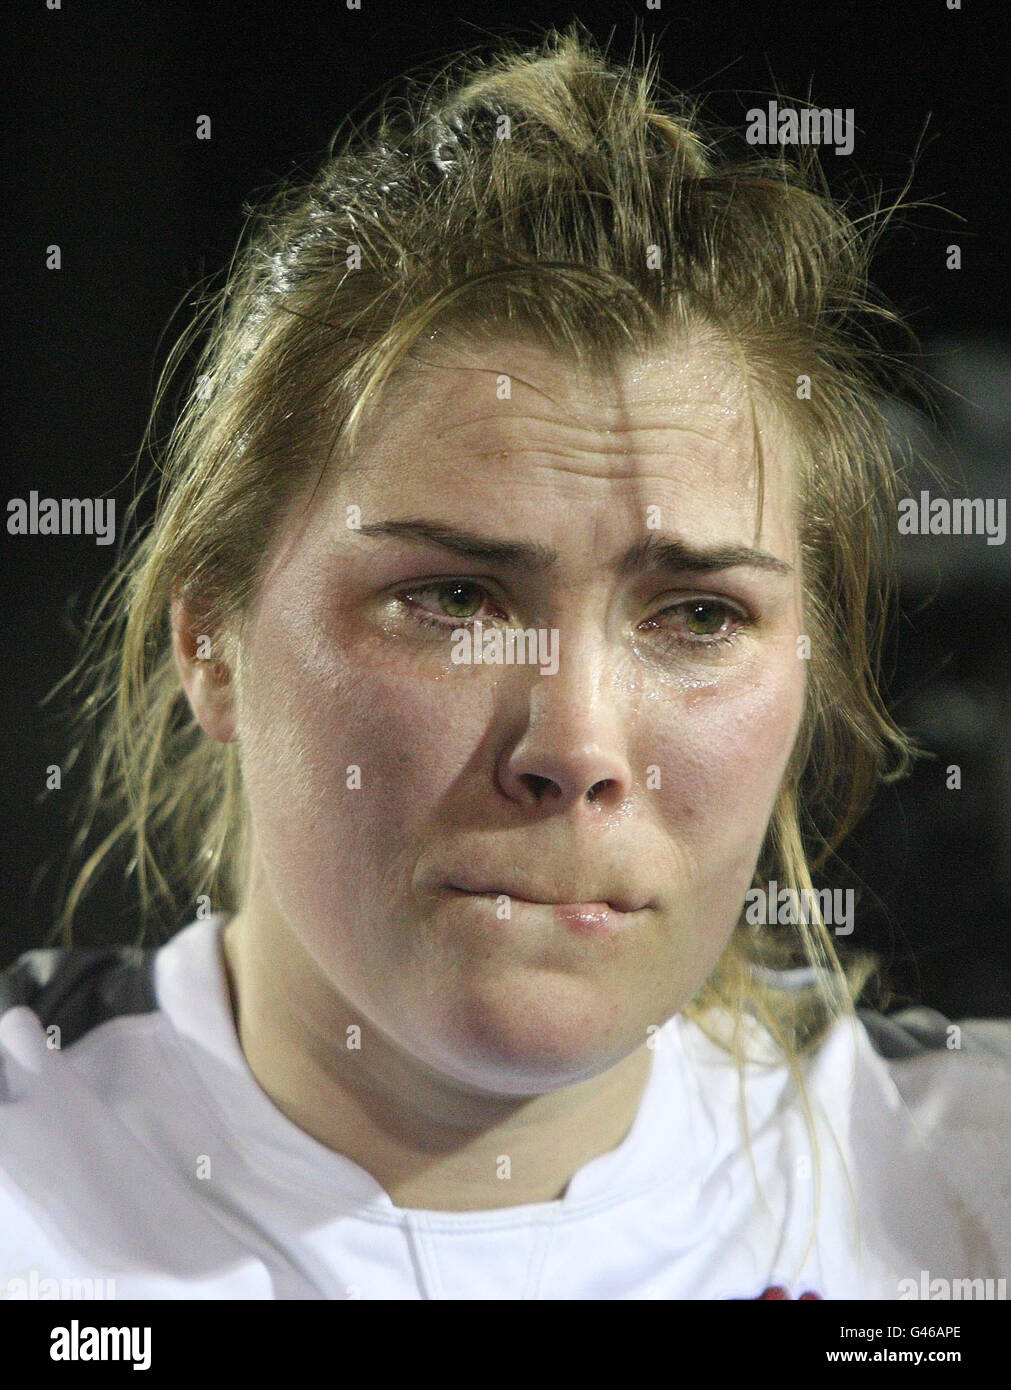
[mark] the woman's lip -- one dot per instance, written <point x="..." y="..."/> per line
<point x="567" y="910"/>
<point x="598" y="920"/>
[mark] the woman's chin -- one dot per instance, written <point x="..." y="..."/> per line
<point x="529" y="1037"/>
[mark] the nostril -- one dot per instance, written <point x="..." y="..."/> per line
<point x="537" y="784"/>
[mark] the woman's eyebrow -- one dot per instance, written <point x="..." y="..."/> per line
<point x="655" y="552"/>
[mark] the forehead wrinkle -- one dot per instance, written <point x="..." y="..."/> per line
<point x="502" y="417"/>
<point x="726" y="428"/>
<point x="719" y="402"/>
<point x="580" y="461"/>
<point x="698" y="448"/>
<point x="512" y="439"/>
<point x="495" y="372"/>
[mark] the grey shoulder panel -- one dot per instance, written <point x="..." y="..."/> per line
<point x="908" y="1032"/>
<point x="77" y="989"/>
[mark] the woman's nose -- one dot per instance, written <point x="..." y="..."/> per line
<point x="572" y="749"/>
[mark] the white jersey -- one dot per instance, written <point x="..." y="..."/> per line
<point x="140" y="1154"/>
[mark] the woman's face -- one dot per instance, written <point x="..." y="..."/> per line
<point x="418" y="818"/>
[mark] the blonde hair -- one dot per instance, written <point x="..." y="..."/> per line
<point x="553" y="194"/>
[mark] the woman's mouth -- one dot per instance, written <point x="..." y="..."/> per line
<point x="588" y="918"/>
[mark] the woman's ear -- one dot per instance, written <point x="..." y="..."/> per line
<point x="206" y="675"/>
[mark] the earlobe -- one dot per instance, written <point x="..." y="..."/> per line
<point x="205" y="674"/>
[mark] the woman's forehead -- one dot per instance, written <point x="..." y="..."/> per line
<point x="681" y="408"/>
<point x="517" y="445"/>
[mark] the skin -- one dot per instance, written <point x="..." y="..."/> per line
<point x="483" y="1037"/>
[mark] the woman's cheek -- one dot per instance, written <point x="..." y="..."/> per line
<point x="355" y="732"/>
<point x="727" y="749"/>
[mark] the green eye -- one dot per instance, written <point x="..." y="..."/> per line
<point x="455" y="606"/>
<point x="705" y="619"/>
<point x="700" y="624"/>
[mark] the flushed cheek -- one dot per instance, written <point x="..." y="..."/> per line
<point x="722" y="751"/>
<point x="347" y="751"/>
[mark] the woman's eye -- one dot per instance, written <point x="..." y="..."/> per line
<point x="705" y="619"/>
<point x="702" y="619"/>
<point x="458" y="599"/>
<point x="452" y="603"/>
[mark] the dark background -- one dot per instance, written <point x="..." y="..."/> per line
<point x="103" y="160"/>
